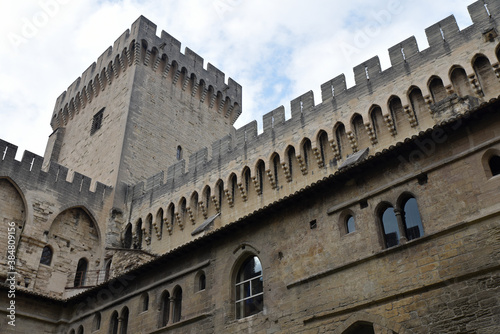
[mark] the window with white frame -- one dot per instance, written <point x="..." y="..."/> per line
<point x="249" y="288"/>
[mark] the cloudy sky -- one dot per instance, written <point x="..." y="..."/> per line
<point x="276" y="49"/>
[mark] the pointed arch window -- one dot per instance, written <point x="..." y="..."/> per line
<point x="164" y="309"/>
<point x="291" y="154"/>
<point x="176" y="316"/>
<point x="179" y="152"/>
<point x="249" y="294"/>
<point x="113" y="323"/>
<point x="276" y="164"/>
<point x="412" y="221"/>
<point x="96" y="323"/>
<point x="46" y="257"/>
<point x="390" y="227"/>
<point x="494" y="164"/>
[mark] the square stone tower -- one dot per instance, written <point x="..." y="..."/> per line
<point x="140" y="108"/>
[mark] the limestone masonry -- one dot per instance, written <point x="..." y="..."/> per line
<point x="373" y="211"/>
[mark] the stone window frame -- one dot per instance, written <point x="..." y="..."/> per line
<point x="343" y="220"/>
<point x="46" y="257"/>
<point x="236" y="283"/>
<point x="486" y="162"/>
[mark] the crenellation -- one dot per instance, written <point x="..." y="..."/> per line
<point x="273" y="119"/>
<point x="404" y="51"/>
<point x="367" y="71"/>
<point x="335" y="88"/>
<point x="246" y="134"/>
<point x="398" y="174"/>
<point x="479" y="13"/>
<point x="444" y="31"/>
<point x="302" y="104"/>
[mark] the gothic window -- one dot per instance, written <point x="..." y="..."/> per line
<point x="249" y="289"/>
<point x="233" y="186"/>
<point x="202" y="282"/>
<point x="138" y="232"/>
<point x="164" y="309"/>
<point x="360" y="327"/>
<point x="144" y="302"/>
<point x="341" y="137"/>
<point x="113" y="323"/>
<point x="127" y="238"/>
<point x="246" y="176"/>
<point x="81" y="273"/>
<point x="460" y="82"/>
<point x="485" y="75"/>
<point x="437" y="89"/>
<point x="97" y="121"/>
<point x="276" y="164"/>
<point x="494" y="164"/>
<point x="207" y="197"/>
<point x="177" y="304"/>
<point x="159" y="220"/>
<point x="417" y="102"/>
<point x="80" y="330"/>
<point x="306" y="149"/>
<point x="124" y="321"/>
<point x="107" y="270"/>
<point x="260" y="174"/>
<point x="220" y="192"/>
<point x="390" y="227"/>
<point x="412" y="221"/>
<point x="46" y="257"/>
<point x="96" y="323"/>
<point x="291" y="154"/>
<point x="350" y="226"/>
<point x="323" y="144"/>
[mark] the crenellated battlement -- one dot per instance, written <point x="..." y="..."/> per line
<point x="141" y="46"/>
<point x="29" y="173"/>
<point x="421" y="89"/>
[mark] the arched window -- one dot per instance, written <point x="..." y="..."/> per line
<point x="412" y="221"/>
<point x="207" y="197"/>
<point x="72" y="331"/>
<point x="164" y="309"/>
<point x="260" y="174"/>
<point x="80" y="330"/>
<point x="127" y="238"/>
<point x="46" y="257"/>
<point x="306" y="151"/>
<point x="276" y="165"/>
<point x="138" y="233"/>
<point x="113" y="323"/>
<point x="249" y="289"/>
<point x="291" y="155"/>
<point x="107" y="269"/>
<point x="485" y="75"/>
<point x="460" y="82"/>
<point x="390" y="227"/>
<point x="234" y="182"/>
<point x="81" y="273"/>
<point x="246" y="176"/>
<point x="494" y="164"/>
<point x="341" y="137"/>
<point x="183" y="209"/>
<point x="359" y="130"/>
<point x="377" y="121"/>
<point x="149" y="225"/>
<point x="202" y="282"/>
<point x="144" y="302"/>
<point x="323" y="145"/>
<point x="177" y="304"/>
<point x="179" y="152"/>
<point x="350" y="226"/>
<point x="96" y="323"/>
<point x="401" y="123"/>
<point x="417" y="102"/>
<point x="220" y="193"/>
<point x="124" y="321"/>
<point x="159" y="220"/>
<point x="437" y="89"/>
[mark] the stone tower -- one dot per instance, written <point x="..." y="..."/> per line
<point x="137" y="111"/>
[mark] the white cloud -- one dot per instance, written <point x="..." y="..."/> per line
<point x="276" y="50"/>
